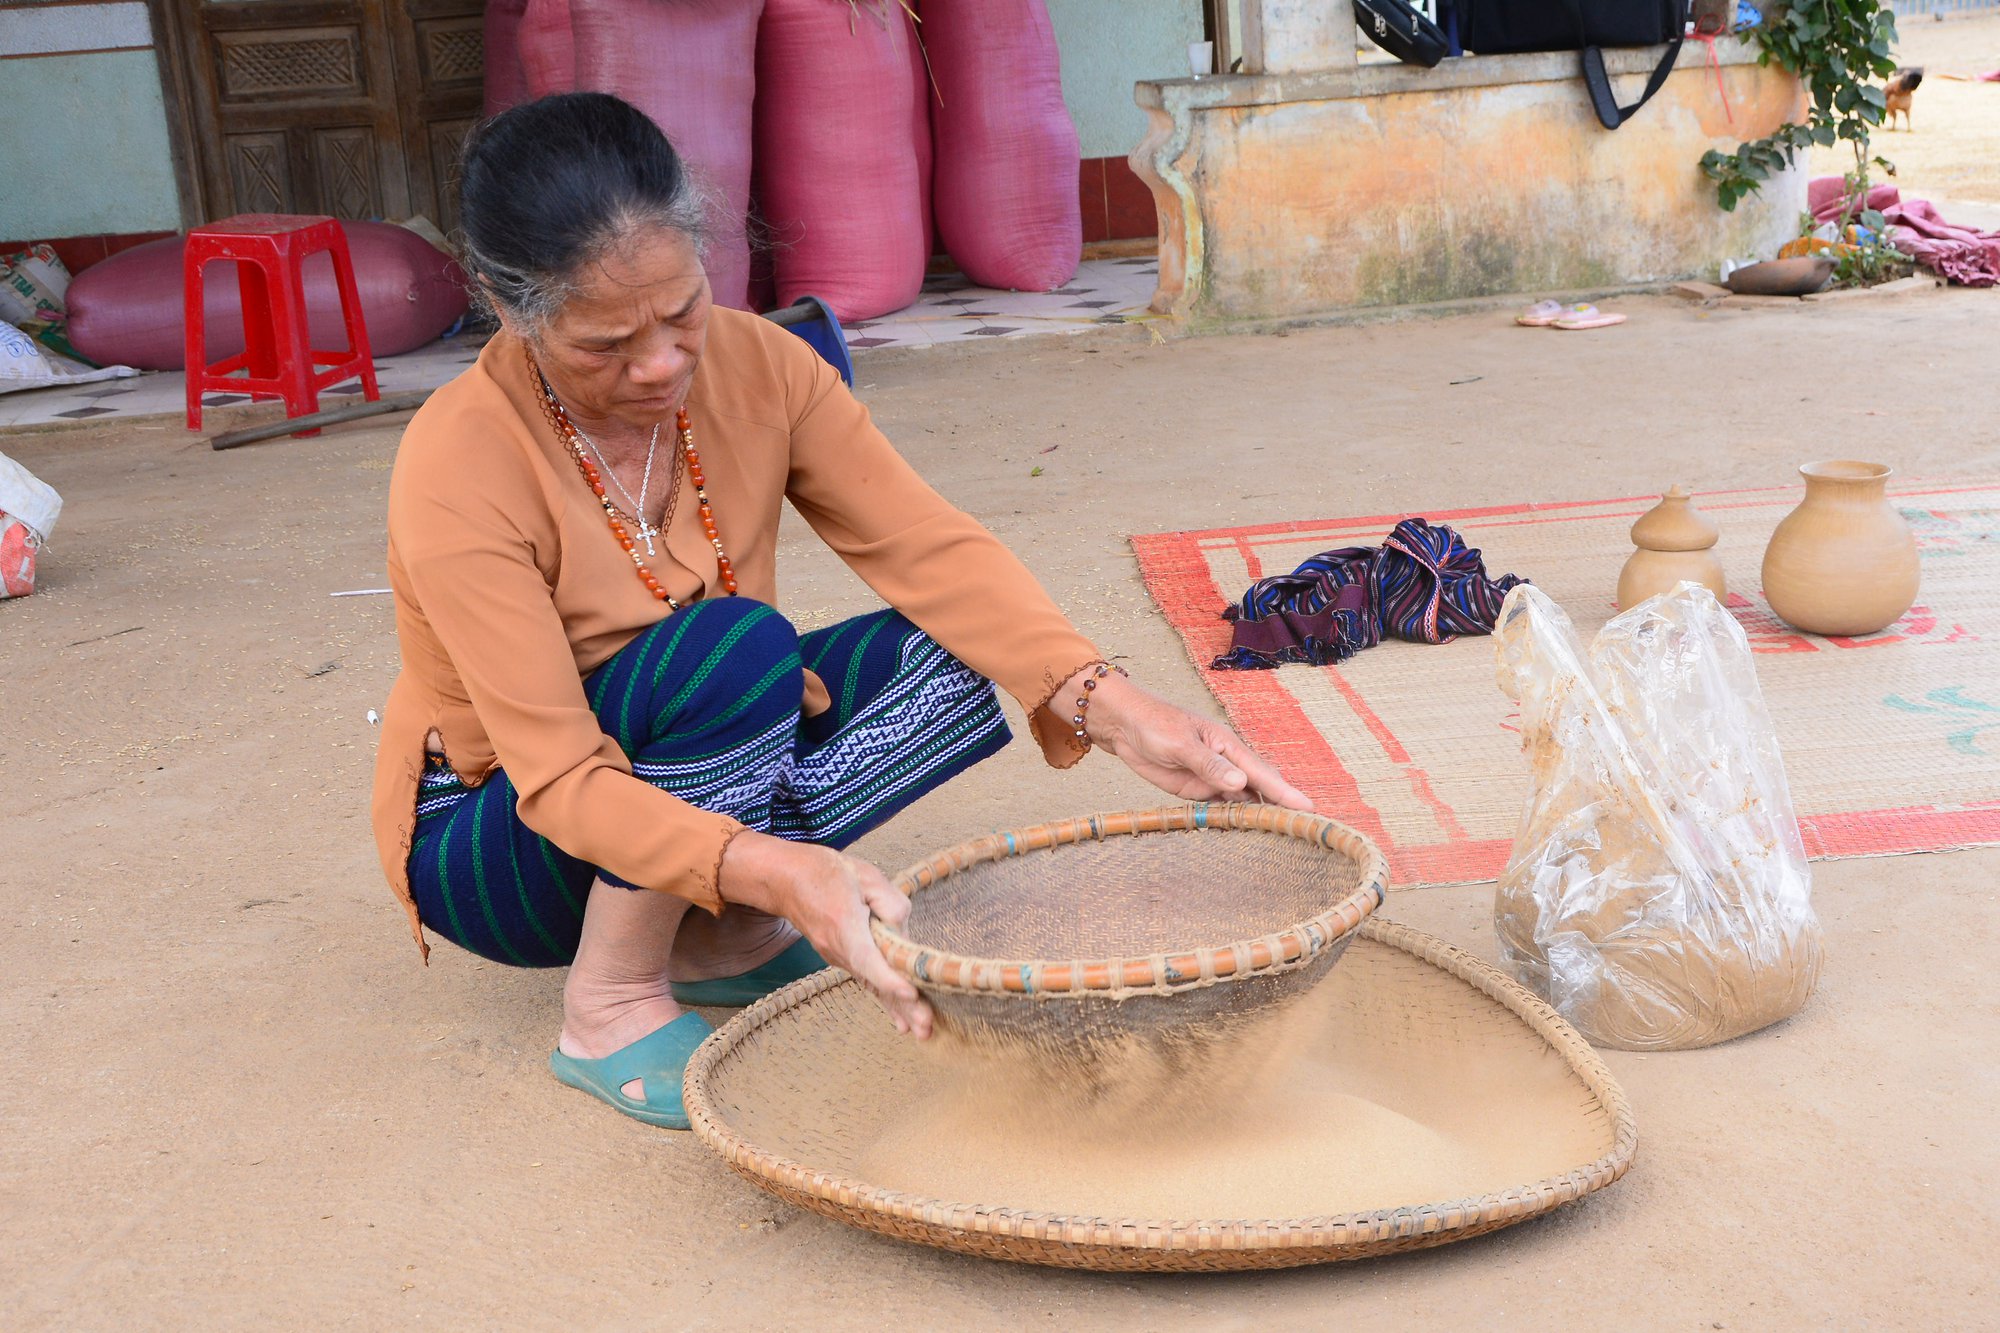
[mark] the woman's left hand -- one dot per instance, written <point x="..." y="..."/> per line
<point x="1191" y="757"/>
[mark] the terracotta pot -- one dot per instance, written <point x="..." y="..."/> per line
<point x="1650" y="573"/>
<point x="1843" y="562"/>
<point x="1675" y="541"/>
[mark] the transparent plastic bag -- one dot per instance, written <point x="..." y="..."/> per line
<point x="1658" y="894"/>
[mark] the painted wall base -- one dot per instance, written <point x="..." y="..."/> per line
<point x="1385" y="185"/>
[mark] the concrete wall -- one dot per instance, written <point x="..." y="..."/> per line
<point x="1390" y="185"/>
<point x="84" y="148"/>
<point x="1107" y="47"/>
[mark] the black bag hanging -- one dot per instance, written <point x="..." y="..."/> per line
<point x="1499" y="27"/>
<point x="1598" y="80"/>
<point x="1402" y="31"/>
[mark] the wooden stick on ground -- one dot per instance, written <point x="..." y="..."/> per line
<point x="333" y="416"/>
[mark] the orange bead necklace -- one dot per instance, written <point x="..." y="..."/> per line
<point x="572" y="439"/>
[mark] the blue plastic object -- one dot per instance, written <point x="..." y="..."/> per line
<point x="811" y="319"/>
<point x="659" y="1061"/>
<point x="798" y="960"/>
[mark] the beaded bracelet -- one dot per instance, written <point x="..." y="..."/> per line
<point x="1083" y="701"/>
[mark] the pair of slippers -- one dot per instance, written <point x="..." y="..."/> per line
<point x="659" y="1060"/>
<point x="1557" y="315"/>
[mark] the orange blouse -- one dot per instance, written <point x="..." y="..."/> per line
<point x="510" y="589"/>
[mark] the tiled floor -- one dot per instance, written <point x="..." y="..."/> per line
<point x="1104" y="291"/>
<point x="165" y="391"/>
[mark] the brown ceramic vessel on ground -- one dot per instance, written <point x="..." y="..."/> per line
<point x="1675" y="542"/>
<point x="1782" y="277"/>
<point x="1844" y="562"/>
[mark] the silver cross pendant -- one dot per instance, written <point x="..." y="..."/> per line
<point x="646" y="531"/>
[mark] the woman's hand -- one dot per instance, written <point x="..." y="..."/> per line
<point x="829" y="897"/>
<point x="1178" y="752"/>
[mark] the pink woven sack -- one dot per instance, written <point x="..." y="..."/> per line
<point x="842" y="153"/>
<point x="128" y="310"/>
<point x="547" y="50"/>
<point x="691" y="66"/>
<point x="923" y="140"/>
<point x="1007" y="153"/>
<point x="506" y="80"/>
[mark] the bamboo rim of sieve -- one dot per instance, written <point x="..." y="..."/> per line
<point x="1284" y="950"/>
<point x="1124" y="1244"/>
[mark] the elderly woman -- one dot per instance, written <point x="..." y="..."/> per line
<point x="601" y="721"/>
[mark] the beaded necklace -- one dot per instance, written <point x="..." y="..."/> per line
<point x="572" y="439"/>
<point x="637" y="506"/>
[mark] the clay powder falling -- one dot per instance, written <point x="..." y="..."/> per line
<point x="1271" y="1124"/>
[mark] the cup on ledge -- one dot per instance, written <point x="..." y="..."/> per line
<point x="1201" y="58"/>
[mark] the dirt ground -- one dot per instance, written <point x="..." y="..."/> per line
<point x="237" y="1100"/>
<point x="1951" y="152"/>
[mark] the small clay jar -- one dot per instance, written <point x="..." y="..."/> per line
<point x="1676" y="541"/>
<point x="1844" y="562"/>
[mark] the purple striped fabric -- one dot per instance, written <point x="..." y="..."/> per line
<point x="1423" y="584"/>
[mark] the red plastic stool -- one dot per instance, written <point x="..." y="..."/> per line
<point x="278" y="361"/>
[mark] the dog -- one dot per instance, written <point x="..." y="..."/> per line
<point x="1897" y="95"/>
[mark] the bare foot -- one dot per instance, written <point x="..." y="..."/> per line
<point x="634" y="945"/>
<point x="741" y="939"/>
<point x="617" y="989"/>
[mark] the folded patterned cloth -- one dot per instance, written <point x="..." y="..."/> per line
<point x="1423" y="584"/>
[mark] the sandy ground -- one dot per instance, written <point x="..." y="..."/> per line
<point x="234" y="1099"/>
<point x="1951" y="152"/>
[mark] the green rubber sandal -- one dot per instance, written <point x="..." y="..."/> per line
<point x="799" y="960"/>
<point x="659" y="1059"/>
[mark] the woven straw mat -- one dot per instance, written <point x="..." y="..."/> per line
<point x="1891" y="742"/>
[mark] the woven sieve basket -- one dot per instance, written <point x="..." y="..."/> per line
<point x="1167" y="928"/>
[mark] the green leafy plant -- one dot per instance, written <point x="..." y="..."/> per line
<point x="1835" y="47"/>
<point x="1870" y="259"/>
<point x="1861" y="254"/>
<point x="1869" y="264"/>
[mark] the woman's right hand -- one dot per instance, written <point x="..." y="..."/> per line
<point x="829" y="897"/>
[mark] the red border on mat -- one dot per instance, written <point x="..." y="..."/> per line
<point x="1177" y="575"/>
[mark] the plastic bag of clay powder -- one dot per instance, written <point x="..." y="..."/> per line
<point x="1658" y="894"/>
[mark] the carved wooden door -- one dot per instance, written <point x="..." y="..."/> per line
<point x="348" y="107"/>
<point x="440" y="81"/>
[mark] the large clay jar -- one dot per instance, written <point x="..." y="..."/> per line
<point x="1675" y="542"/>
<point x="1843" y="562"/>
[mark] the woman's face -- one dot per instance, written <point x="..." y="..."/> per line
<point x="626" y="343"/>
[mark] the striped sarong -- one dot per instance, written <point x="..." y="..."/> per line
<point x="706" y="706"/>
<point x="1423" y="583"/>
